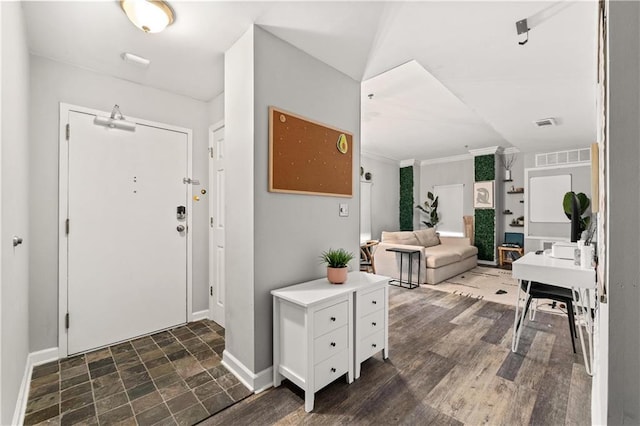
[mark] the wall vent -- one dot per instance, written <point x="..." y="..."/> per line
<point x="563" y="157"/>
<point x="545" y="122"/>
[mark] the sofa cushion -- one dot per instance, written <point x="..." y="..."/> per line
<point x="463" y="251"/>
<point x="400" y="237"/>
<point x="427" y="237"/>
<point x="440" y="255"/>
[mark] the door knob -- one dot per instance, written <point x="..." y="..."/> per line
<point x="17" y="241"/>
<point x="180" y="228"/>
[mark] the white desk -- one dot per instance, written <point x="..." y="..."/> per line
<point x="545" y="269"/>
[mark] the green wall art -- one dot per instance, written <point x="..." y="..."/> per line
<point x="406" y="198"/>
<point x="485" y="219"/>
<point x="485" y="167"/>
<point x="485" y="233"/>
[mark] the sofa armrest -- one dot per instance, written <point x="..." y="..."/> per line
<point x="388" y="262"/>
<point x="459" y="241"/>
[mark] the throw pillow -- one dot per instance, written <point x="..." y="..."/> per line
<point x="427" y="237"/>
<point x="400" y="237"/>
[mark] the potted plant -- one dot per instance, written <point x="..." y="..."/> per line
<point x="337" y="261"/>
<point x="431" y="209"/>
<point x="507" y="163"/>
<point x="582" y="203"/>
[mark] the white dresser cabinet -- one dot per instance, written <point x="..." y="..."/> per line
<point x="318" y="336"/>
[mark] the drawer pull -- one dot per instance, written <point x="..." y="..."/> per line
<point x="333" y="319"/>
<point x="373" y="324"/>
<point x="333" y="344"/>
<point x="374" y="302"/>
<point x="373" y="345"/>
<point x="333" y="370"/>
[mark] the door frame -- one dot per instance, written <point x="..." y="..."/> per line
<point x="63" y="209"/>
<point x="212" y="129"/>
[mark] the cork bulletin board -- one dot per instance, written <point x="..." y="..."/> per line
<point x="307" y="157"/>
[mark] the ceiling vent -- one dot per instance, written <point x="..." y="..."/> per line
<point x="545" y="122"/>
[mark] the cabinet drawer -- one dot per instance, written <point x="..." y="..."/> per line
<point x="370" y="302"/>
<point x="330" y="318"/>
<point x="330" y="344"/>
<point x="371" y="323"/>
<point x="371" y="345"/>
<point x="330" y="369"/>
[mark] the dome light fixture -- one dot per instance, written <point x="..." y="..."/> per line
<point x="151" y="16"/>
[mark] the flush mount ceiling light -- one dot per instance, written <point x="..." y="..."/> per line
<point x="151" y="16"/>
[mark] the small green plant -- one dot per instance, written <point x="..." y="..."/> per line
<point x="431" y="209"/>
<point x="583" y="205"/>
<point x="339" y="258"/>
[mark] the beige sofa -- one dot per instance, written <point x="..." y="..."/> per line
<point x="440" y="257"/>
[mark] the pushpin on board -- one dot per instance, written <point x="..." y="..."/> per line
<point x="196" y="198"/>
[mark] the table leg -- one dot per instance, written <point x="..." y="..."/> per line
<point x="308" y="401"/>
<point x="584" y="312"/>
<point x="518" y="330"/>
<point x="419" y="267"/>
<point x="410" y="276"/>
<point x="401" y="259"/>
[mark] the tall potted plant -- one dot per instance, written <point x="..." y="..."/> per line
<point x="337" y="262"/>
<point x="431" y="209"/>
<point x="581" y="202"/>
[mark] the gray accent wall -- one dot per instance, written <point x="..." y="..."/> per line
<point x="14" y="199"/>
<point x="289" y="230"/>
<point x="54" y="82"/>
<point x="385" y="197"/>
<point x="624" y="213"/>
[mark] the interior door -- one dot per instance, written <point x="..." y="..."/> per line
<point x="127" y="258"/>
<point x="217" y="226"/>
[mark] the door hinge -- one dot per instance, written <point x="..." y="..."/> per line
<point x="68" y="131"/>
<point x="211" y="151"/>
<point x="66" y="321"/>
<point x="66" y="227"/>
<point x="211" y="221"/>
<point x="210" y="290"/>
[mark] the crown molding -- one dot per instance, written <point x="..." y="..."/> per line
<point x="380" y="158"/>
<point x="486" y="151"/>
<point x="408" y="162"/>
<point x="511" y="150"/>
<point x="461" y="157"/>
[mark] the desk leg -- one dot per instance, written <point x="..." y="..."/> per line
<point x="518" y="330"/>
<point x="308" y="400"/>
<point x="587" y="352"/>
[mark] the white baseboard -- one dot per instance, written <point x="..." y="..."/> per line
<point x="33" y="359"/>
<point x="255" y="382"/>
<point x="200" y="315"/>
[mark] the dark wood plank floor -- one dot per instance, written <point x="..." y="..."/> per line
<point x="450" y="363"/>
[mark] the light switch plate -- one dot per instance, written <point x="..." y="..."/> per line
<point x="344" y="209"/>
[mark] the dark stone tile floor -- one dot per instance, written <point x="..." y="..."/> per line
<point x="172" y="377"/>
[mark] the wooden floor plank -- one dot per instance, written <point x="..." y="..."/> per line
<point x="450" y="363"/>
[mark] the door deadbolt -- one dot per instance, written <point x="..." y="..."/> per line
<point x="181" y="212"/>
<point x="180" y="228"/>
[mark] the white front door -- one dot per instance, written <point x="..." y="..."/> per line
<point x="127" y="259"/>
<point x="216" y="225"/>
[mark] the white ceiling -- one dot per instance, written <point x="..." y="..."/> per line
<point x="470" y="83"/>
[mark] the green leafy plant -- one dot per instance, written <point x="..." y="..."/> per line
<point x="339" y="258"/>
<point x="431" y="209"/>
<point x="583" y="205"/>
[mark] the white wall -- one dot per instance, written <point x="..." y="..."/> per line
<point x="215" y="109"/>
<point x="385" y="194"/>
<point x="239" y="206"/>
<point x="624" y="213"/>
<point x="14" y="190"/>
<point x="53" y="82"/>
